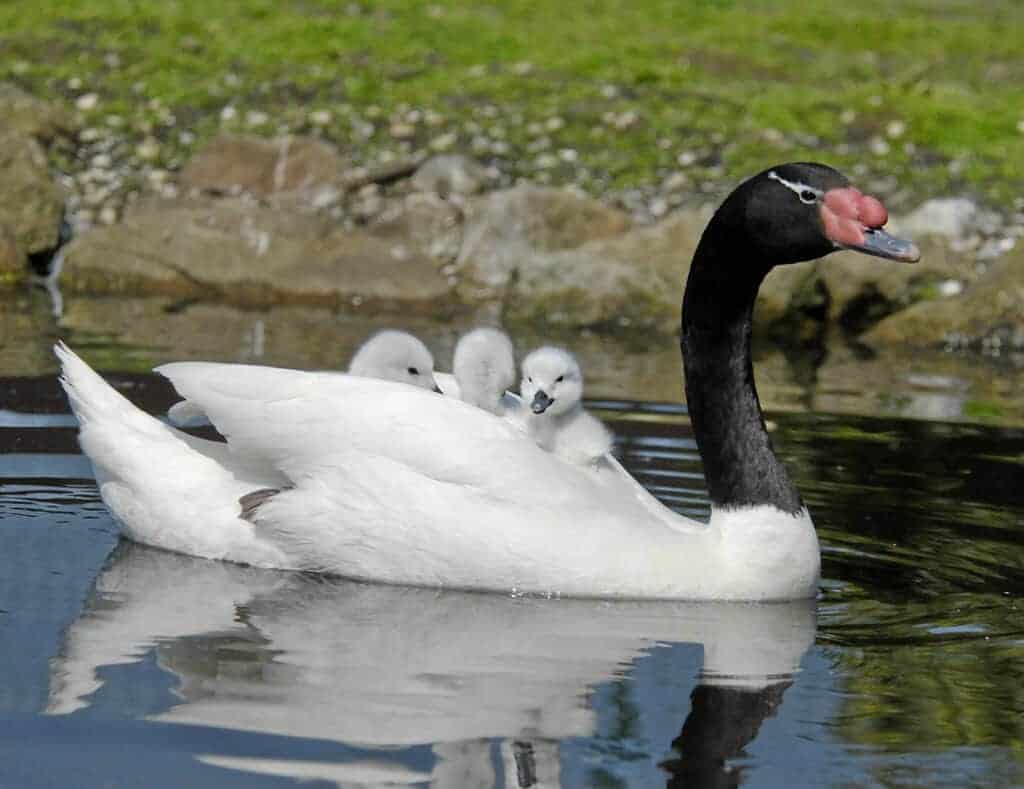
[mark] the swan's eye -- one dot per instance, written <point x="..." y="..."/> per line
<point x="807" y="196"/>
<point x="559" y="379"/>
<point x="413" y="371"/>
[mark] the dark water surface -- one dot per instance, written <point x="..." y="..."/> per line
<point x="125" y="666"/>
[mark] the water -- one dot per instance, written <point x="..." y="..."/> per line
<point x="125" y="666"/>
<point x="128" y="665"/>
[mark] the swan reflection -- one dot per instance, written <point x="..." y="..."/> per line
<point x="379" y="668"/>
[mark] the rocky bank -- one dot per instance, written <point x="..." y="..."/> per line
<point x="255" y="222"/>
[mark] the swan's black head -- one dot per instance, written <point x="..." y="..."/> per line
<point x="803" y="210"/>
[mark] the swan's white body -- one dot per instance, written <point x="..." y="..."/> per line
<point x="387" y="482"/>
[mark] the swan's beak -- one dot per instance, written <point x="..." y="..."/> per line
<point x="880" y="244"/>
<point x="854" y="220"/>
<point x="541" y="401"/>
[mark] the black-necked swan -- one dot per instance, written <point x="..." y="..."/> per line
<point x="552" y="394"/>
<point x="483" y="371"/>
<point x="383" y="481"/>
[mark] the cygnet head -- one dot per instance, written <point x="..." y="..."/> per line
<point x="552" y="381"/>
<point x="485" y="368"/>
<point x="395" y="356"/>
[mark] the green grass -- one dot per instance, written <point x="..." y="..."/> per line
<point x="709" y="77"/>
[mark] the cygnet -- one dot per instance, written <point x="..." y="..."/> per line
<point x="483" y="370"/>
<point x="552" y="393"/>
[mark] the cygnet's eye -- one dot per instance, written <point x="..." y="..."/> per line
<point x="559" y="379"/>
<point x="413" y="371"/>
<point x="807" y="196"/>
<point x="528" y="378"/>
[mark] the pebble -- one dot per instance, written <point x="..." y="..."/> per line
<point x="445" y="142"/>
<point x="87" y="101"/>
<point x="255" y="118"/>
<point x="545" y="161"/>
<point x="895" y="129"/>
<point x="108" y="215"/>
<point x="148" y="149"/>
<point x="402" y="131"/>
<point x="676" y="182"/>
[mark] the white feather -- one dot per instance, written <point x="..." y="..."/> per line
<point x="387" y="482"/>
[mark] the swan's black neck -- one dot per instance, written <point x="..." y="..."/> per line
<point x="739" y="464"/>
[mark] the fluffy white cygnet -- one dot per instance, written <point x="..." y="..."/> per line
<point x="484" y="367"/>
<point x="552" y="391"/>
<point x="395" y="356"/>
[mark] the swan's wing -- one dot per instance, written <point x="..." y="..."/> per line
<point x="296" y="420"/>
<point x="448" y="385"/>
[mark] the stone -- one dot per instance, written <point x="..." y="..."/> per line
<point x="12" y="266"/>
<point x="232" y="251"/>
<point x="31" y="201"/>
<point x="990" y="312"/>
<point x="949" y="217"/>
<point x="634" y="280"/>
<point x="861" y="289"/>
<point x="450" y="174"/>
<point x="27" y="115"/>
<point x="503" y="229"/>
<point x="299" y="168"/>
<point x="422" y="223"/>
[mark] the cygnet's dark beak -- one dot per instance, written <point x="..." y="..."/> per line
<point x="438" y="389"/>
<point x="541" y="401"/>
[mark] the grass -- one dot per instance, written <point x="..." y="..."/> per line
<point x="929" y="93"/>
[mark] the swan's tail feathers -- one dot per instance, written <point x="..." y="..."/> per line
<point x="90" y="396"/>
<point x="94" y="401"/>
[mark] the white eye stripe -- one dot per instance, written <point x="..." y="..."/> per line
<point x="798" y="188"/>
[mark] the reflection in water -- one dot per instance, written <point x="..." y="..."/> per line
<point x="374" y="666"/>
<point x="915" y="679"/>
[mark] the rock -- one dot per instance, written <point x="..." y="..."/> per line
<point x="293" y="336"/>
<point x="506" y="227"/>
<point x="12" y="266"/>
<point x="950" y="217"/>
<point x="27" y="115"/>
<point x="635" y="280"/>
<point x="31" y="201"/>
<point x="989" y="313"/>
<point x="423" y="223"/>
<point x="232" y="251"/>
<point x="450" y="174"/>
<point x="862" y="290"/>
<point x="790" y="293"/>
<point x="288" y="169"/>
